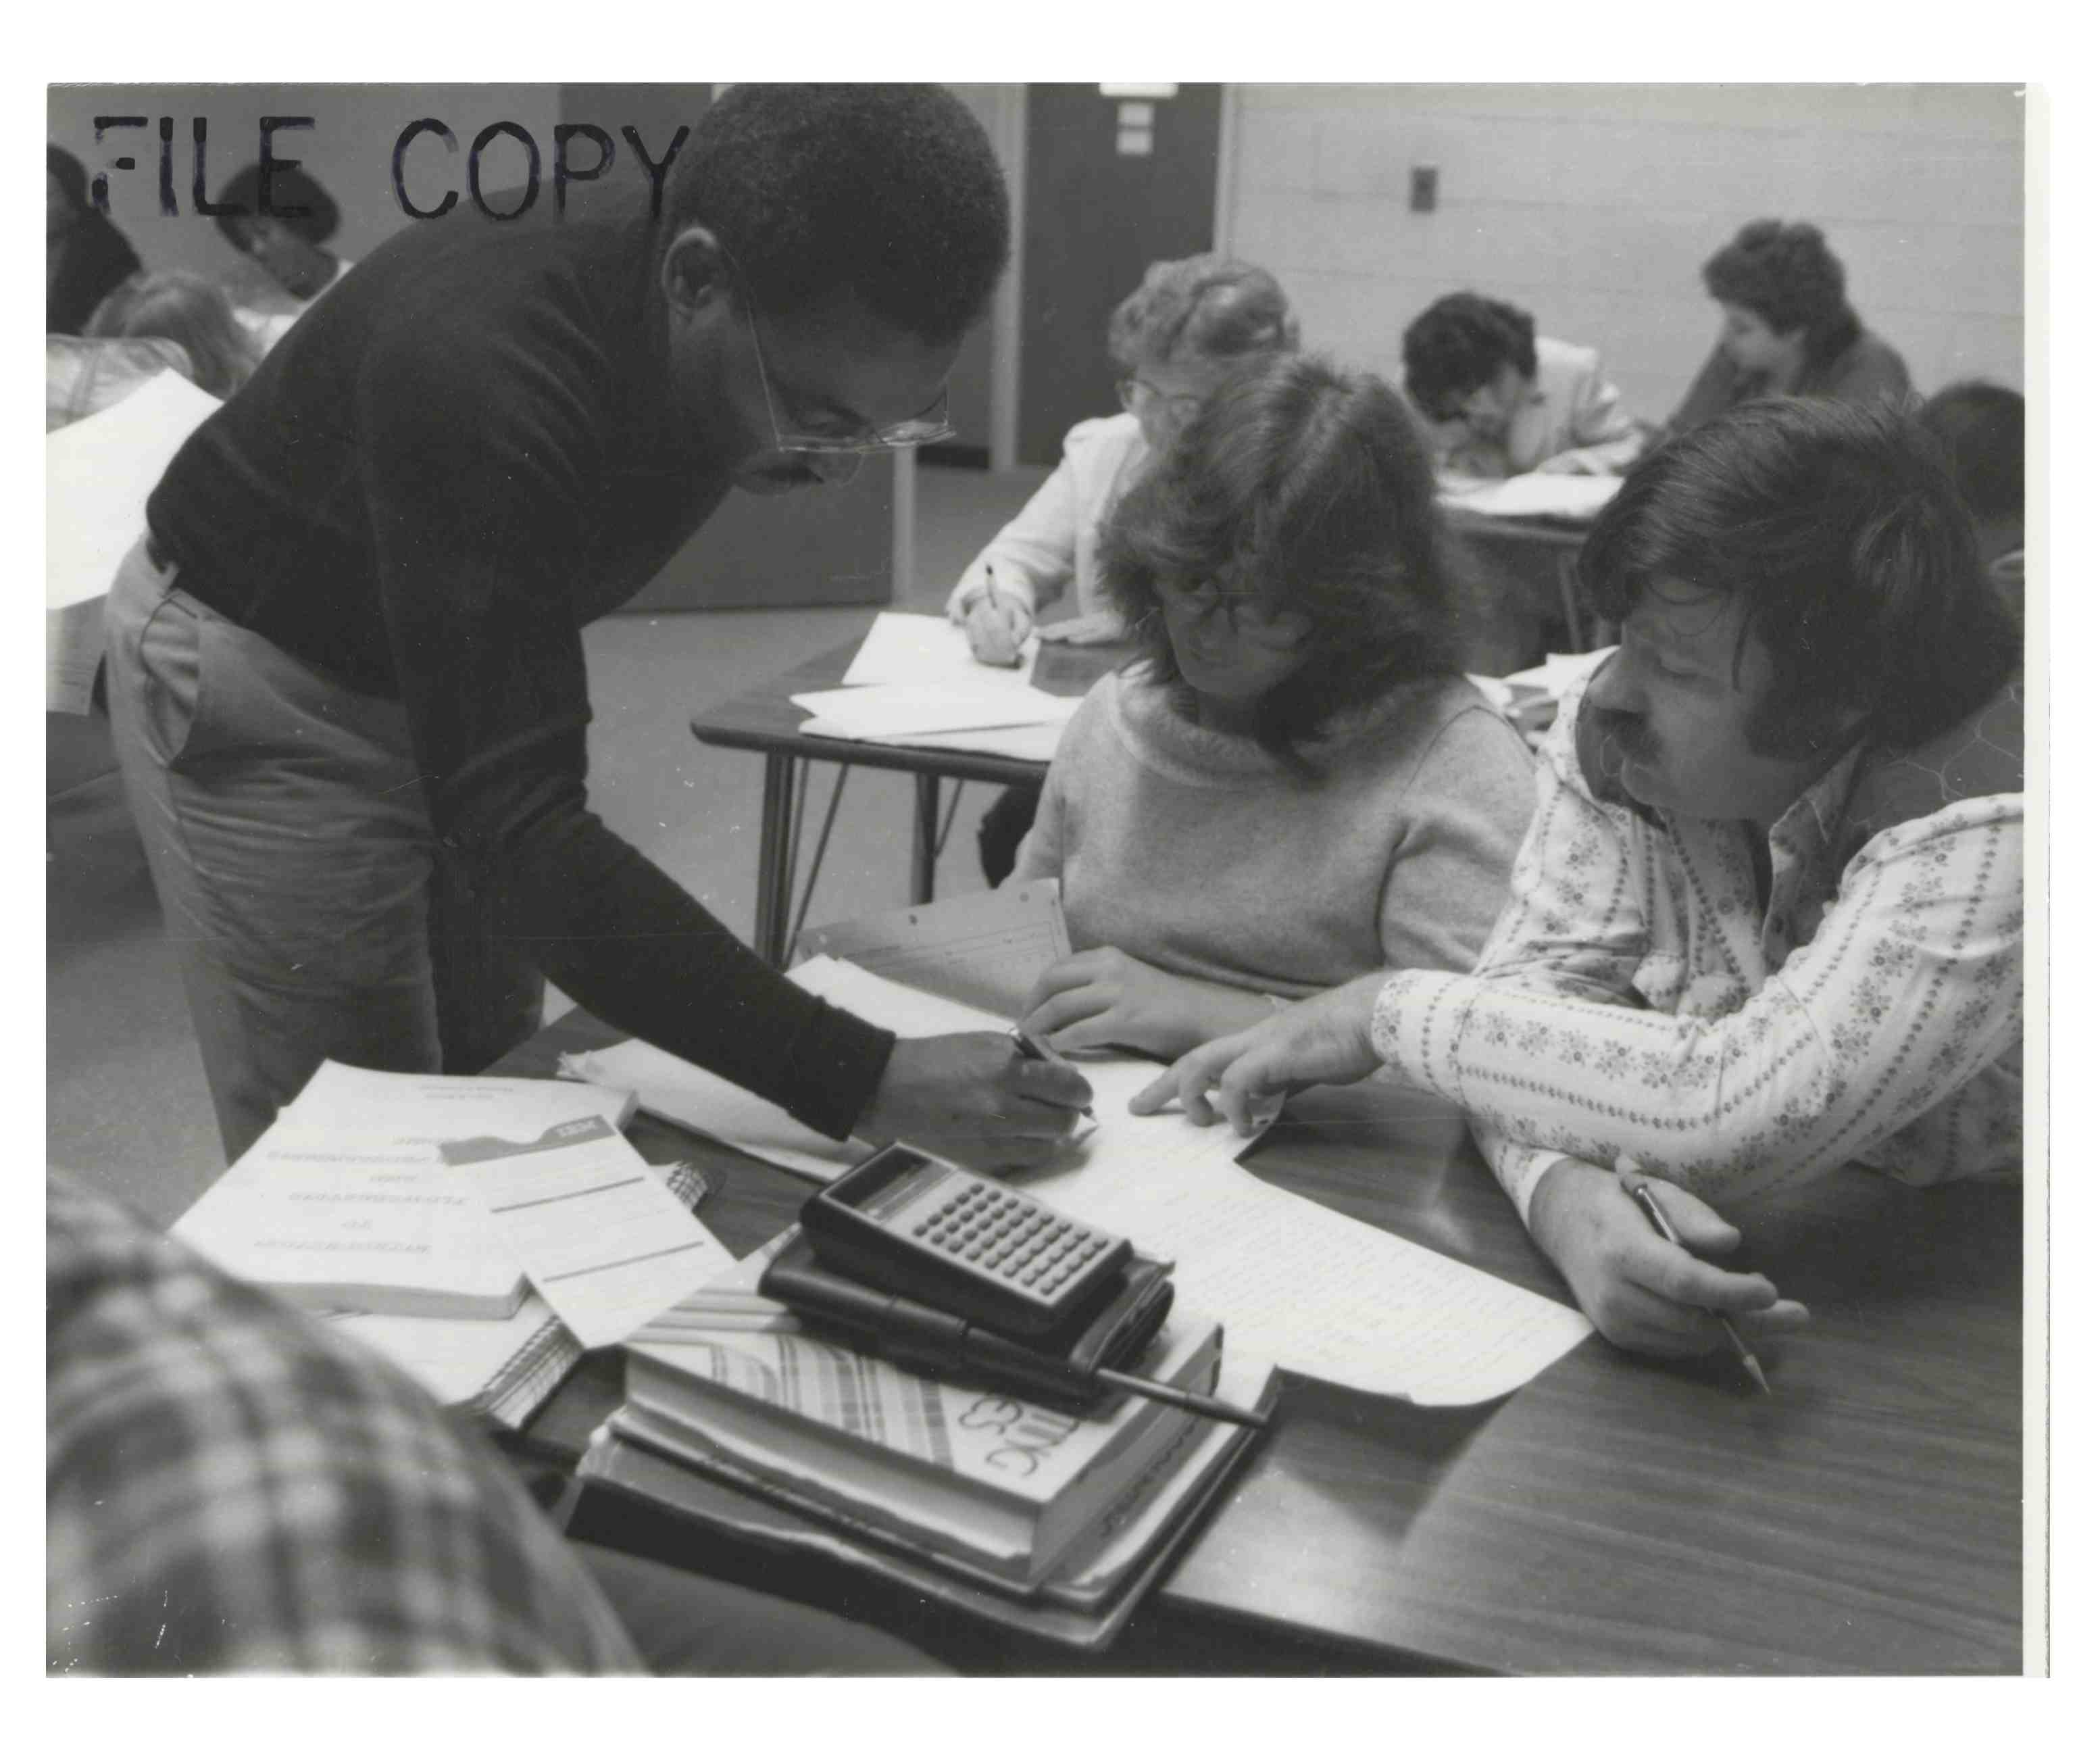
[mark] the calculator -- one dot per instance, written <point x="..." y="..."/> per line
<point x="942" y="1235"/>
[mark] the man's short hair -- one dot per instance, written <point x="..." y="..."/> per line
<point x="1983" y="429"/>
<point x="1786" y="276"/>
<point x="318" y="219"/>
<point x="1841" y="527"/>
<point x="1204" y="309"/>
<point x="889" y="192"/>
<point x="1459" y="344"/>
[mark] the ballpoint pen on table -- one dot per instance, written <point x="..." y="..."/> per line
<point x="1644" y="1197"/>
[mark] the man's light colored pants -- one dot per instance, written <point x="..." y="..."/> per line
<point x="309" y="906"/>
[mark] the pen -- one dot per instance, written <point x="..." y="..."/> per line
<point x="1644" y="1196"/>
<point x="1202" y="1405"/>
<point x="1034" y="1048"/>
<point x="991" y="598"/>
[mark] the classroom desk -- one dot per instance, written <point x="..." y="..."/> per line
<point x="1617" y="1515"/>
<point x="1533" y="603"/>
<point x="761" y="720"/>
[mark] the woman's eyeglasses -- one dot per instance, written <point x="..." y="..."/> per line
<point x="1244" y="615"/>
<point x="1136" y="393"/>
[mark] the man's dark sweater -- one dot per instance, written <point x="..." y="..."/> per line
<point x="464" y="451"/>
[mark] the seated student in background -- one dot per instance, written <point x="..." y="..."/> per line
<point x="1499" y="398"/>
<point x="86" y="257"/>
<point x="1173" y="338"/>
<point x="290" y="245"/>
<point x="1786" y="329"/>
<point x="1983" y="429"/>
<point x="1767" y="917"/>
<point x="1293" y="784"/>
<point x="189" y="309"/>
<point x="232" y="1486"/>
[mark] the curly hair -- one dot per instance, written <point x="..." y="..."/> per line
<point x="1203" y="308"/>
<point x="1786" y="276"/>
<point x="1983" y="429"/>
<point x="1460" y="342"/>
<point x="192" y="311"/>
<point x="1306" y="486"/>
<point x="297" y="201"/>
<point x="889" y="192"/>
<point x="1842" y="527"/>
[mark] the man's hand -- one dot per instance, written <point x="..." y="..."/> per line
<point x="1323" y="1041"/>
<point x="1642" y="1292"/>
<point x="1086" y="630"/>
<point x="1107" y="998"/>
<point x="974" y="1097"/>
<point x="997" y="625"/>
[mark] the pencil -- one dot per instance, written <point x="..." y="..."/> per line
<point x="1644" y="1197"/>
<point x="1203" y="1405"/>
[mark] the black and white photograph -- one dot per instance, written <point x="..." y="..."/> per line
<point x="1164" y="881"/>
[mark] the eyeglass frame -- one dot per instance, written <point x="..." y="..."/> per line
<point x="1181" y="406"/>
<point x="1205" y="598"/>
<point x="906" y="433"/>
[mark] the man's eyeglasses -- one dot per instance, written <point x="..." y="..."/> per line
<point x="1135" y="393"/>
<point x="1244" y="615"/>
<point x="931" y="425"/>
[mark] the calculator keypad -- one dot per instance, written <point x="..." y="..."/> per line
<point x="1010" y="1236"/>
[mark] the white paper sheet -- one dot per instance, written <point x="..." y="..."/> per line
<point x="602" y="1238"/>
<point x="885" y="712"/>
<point x="686" y="1095"/>
<point x="1036" y="743"/>
<point x="918" y="648"/>
<point x="98" y="473"/>
<point x="1566" y="497"/>
<point x="410" y="1114"/>
<point x="985" y="950"/>
<point x="1296" y="1285"/>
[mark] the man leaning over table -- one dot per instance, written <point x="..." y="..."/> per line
<point x="346" y="676"/>
<point x="1767" y="917"/>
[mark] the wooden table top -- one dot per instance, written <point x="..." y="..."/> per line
<point x="1617" y="1515"/>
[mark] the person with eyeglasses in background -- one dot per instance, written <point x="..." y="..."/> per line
<point x="1293" y="786"/>
<point x="348" y="682"/>
<point x="1173" y="340"/>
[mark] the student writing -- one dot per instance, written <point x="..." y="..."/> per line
<point x="1500" y="398"/>
<point x="1767" y="917"/>
<point x="1293" y="784"/>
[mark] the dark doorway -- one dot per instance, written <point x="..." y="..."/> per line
<point x="1096" y="218"/>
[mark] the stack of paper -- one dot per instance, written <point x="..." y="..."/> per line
<point x="1561" y="497"/>
<point x="914" y="682"/>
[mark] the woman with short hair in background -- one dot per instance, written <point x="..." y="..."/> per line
<point x="1786" y="329"/>
<point x="288" y="244"/>
<point x="85" y="256"/>
<point x="1293" y="784"/>
<point x="1174" y="339"/>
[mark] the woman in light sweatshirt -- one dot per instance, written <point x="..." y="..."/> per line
<point x="1292" y="785"/>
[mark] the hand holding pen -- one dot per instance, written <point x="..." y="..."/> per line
<point x="997" y="625"/>
<point x="1648" y="1194"/>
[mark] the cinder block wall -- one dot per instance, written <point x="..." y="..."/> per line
<point x="1593" y="206"/>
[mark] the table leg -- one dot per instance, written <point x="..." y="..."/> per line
<point x="776" y="864"/>
<point x="926" y="835"/>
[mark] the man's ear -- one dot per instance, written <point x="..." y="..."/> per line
<point x="695" y="271"/>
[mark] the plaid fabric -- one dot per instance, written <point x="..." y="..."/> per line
<point x="232" y="1487"/>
